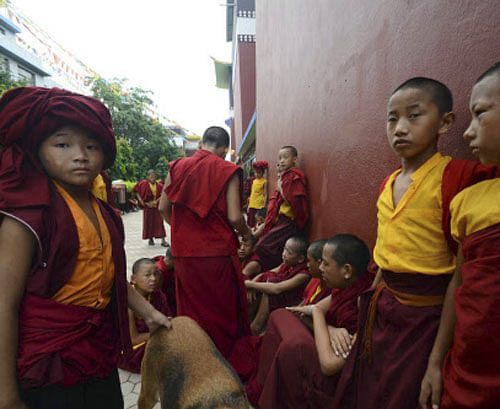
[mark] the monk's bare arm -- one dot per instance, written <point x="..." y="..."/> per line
<point x="278" y="288"/>
<point x="329" y="362"/>
<point x="432" y="382"/>
<point x="135" y="336"/>
<point x="151" y="316"/>
<point x="17" y="247"/>
<point x="234" y="214"/>
<point x="252" y="268"/>
<point x="165" y="205"/>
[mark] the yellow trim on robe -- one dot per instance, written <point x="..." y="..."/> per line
<point x="257" y="195"/>
<point x="92" y="279"/>
<point x="287" y="210"/>
<point x="475" y="208"/>
<point x="316" y="292"/>
<point x="99" y="188"/>
<point x="152" y="186"/>
<point x="410" y="238"/>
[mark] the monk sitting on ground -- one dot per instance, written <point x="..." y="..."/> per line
<point x="297" y="369"/>
<point x="246" y="253"/>
<point x="145" y="280"/>
<point x="281" y="287"/>
<point x="166" y="280"/>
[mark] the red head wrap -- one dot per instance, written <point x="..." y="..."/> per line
<point x="27" y="116"/>
<point x="260" y="165"/>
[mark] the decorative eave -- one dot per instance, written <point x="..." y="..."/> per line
<point x="247" y="38"/>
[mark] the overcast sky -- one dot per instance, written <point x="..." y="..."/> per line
<point x="160" y="45"/>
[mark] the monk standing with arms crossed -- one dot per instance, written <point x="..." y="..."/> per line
<point x="202" y="204"/>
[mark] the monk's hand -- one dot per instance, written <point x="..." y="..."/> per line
<point x="431" y="387"/>
<point x="341" y="341"/>
<point x="156" y="320"/>
<point x="304" y="309"/>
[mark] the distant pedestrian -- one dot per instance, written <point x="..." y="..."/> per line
<point x="148" y="193"/>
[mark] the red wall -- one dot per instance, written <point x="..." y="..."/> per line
<point x="244" y="90"/>
<point x="325" y="70"/>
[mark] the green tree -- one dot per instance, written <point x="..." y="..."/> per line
<point x="7" y="82"/>
<point x="148" y="138"/>
<point x="124" y="167"/>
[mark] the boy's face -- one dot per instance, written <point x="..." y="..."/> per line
<point x="413" y="123"/>
<point x="146" y="278"/>
<point x="221" y="151"/>
<point x="246" y="249"/>
<point x="332" y="272"/>
<point x="71" y="157"/>
<point x="152" y="177"/>
<point x="483" y="133"/>
<point x="313" y="265"/>
<point x="290" y="255"/>
<point x="286" y="160"/>
<point x="169" y="262"/>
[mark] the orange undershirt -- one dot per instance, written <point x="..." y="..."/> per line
<point x="92" y="279"/>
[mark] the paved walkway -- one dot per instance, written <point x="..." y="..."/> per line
<point x="136" y="248"/>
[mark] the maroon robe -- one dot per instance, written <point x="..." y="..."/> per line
<point x="152" y="222"/>
<point x="58" y="344"/>
<point x="471" y="371"/>
<point x="279" y="228"/>
<point x="289" y="374"/>
<point x="286" y="298"/>
<point x="311" y="289"/>
<point x="68" y="344"/>
<point x="168" y="287"/>
<point x="132" y="362"/>
<point x="209" y="282"/>
<point x="402" y="336"/>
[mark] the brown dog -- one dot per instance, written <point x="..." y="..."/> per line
<point x="183" y="368"/>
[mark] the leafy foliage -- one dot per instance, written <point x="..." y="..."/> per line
<point x="143" y="143"/>
<point x="7" y="82"/>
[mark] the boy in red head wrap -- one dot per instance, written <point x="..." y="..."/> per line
<point x="258" y="193"/>
<point x="63" y="302"/>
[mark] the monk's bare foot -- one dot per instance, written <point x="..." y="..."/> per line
<point x="151" y="242"/>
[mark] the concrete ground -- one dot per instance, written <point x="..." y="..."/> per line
<point x="136" y="248"/>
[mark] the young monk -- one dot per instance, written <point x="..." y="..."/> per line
<point x="283" y="286"/>
<point x="145" y="280"/>
<point x="298" y="369"/>
<point x="317" y="289"/>
<point x="148" y="194"/>
<point x="246" y="253"/>
<point x="399" y="319"/>
<point x="258" y="192"/>
<point x="166" y="281"/>
<point x="470" y="323"/>
<point x="287" y="213"/>
<point x="202" y="204"/>
<point x="260" y="218"/>
<point x="63" y="299"/>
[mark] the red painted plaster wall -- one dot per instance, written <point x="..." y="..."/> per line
<point x="325" y="70"/>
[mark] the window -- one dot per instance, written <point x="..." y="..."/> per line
<point x="4" y="63"/>
<point x="25" y="75"/>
